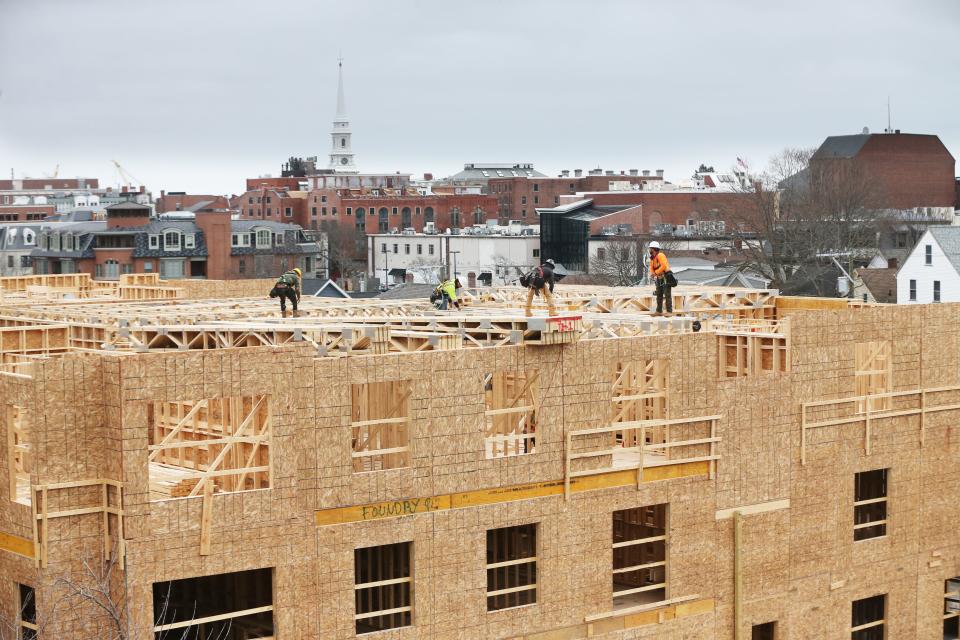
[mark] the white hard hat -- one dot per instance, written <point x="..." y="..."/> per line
<point x="550" y="261"/>
<point x="654" y="245"/>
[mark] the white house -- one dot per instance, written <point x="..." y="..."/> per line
<point x="485" y="259"/>
<point x="931" y="273"/>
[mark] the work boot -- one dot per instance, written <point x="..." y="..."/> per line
<point x="283" y="313"/>
<point x="296" y="313"/>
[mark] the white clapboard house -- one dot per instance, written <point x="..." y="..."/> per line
<point x="931" y="273"/>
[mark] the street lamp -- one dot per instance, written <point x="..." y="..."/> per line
<point x="454" y="254"/>
<point x="386" y="265"/>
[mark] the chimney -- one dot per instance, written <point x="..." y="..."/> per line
<point x="897" y="131"/>
<point x="893" y="263"/>
<point x="565" y="173"/>
<point x="622" y="172"/>
<point x="162" y="193"/>
<point x="577" y="173"/>
<point x="659" y="173"/>
<point x="610" y="173"/>
<point x="634" y="172"/>
<point x="143" y="189"/>
<point x="646" y="172"/>
<point x="428" y="176"/>
<point x="124" y="189"/>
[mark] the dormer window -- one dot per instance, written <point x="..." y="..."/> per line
<point x="264" y="238"/>
<point x="189" y="240"/>
<point x="55" y="242"/>
<point x="28" y="237"/>
<point x="154" y="241"/>
<point x="68" y="242"/>
<point x="171" y="241"/>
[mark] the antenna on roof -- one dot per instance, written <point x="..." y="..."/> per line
<point x="889" y="128"/>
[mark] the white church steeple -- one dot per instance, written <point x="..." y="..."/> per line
<point x="341" y="154"/>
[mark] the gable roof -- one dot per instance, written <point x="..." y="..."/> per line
<point x="882" y="283"/>
<point x="330" y="289"/>
<point x="949" y="240"/>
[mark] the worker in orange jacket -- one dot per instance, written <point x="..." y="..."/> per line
<point x="662" y="277"/>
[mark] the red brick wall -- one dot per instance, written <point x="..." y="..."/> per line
<point x="343" y="210"/>
<point x="671" y="207"/>
<point x="910" y="170"/>
<point x="25" y="212"/>
<point x="216" y="235"/>
<point x="55" y="183"/>
<point x="182" y="202"/>
<point x="291" y="184"/>
<point x="510" y="192"/>
<point x="275" y="209"/>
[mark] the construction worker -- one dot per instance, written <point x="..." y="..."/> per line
<point x="446" y="291"/>
<point x="540" y="281"/>
<point x="659" y="270"/>
<point x="286" y="288"/>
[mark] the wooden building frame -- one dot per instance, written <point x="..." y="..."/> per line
<point x="380" y="425"/>
<point x="223" y="442"/>
<point x="510" y="418"/>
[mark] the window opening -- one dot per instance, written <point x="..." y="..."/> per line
<point x="383" y="580"/>
<point x="639" y="556"/>
<point x="870" y="504"/>
<point x="511" y="413"/>
<point x="380" y="425"/>
<point x="511" y="567"/>
<point x="224" y="441"/>
<point x="227" y="606"/>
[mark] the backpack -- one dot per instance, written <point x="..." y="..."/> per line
<point x="533" y="278"/>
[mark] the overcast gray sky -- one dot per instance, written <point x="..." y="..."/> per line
<point x="197" y="95"/>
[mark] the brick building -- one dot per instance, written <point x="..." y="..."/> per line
<point x="210" y="246"/>
<point x="25" y="212"/>
<point x="911" y="170"/>
<point x="371" y="209"/>
<point x="180" y="201"/>
<point x="519" y="196"/>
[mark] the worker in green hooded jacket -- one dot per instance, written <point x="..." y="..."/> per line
<point x="447" y="290"/>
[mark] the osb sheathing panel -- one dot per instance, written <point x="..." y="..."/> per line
<point x="801" y="566"/>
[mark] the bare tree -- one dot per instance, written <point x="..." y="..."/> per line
<point x="96" y="592"/>
<point x="346" y="250"/>
<point x="620" y="263"/>
<point x="790" y="218"/>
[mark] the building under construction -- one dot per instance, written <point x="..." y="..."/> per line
<point x="183" y="464"/>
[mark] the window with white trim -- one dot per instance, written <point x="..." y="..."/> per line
<point x="639" y="555"/>
<point x="171" y="269"/>
<point x="226" y="605"/>
<point x="55" y="242"/>
<point x="868" y="619"/>
<point x="511" y="567"/>
<point x="913" y="290"/>
<point x="171" y="241"/>
<point x="264" y="238"/>
<point x="870" y="504"/>
<point x="383" y="587"/>
<point x="189" y="241"/>
<point x="936" y="291"/>
<point x="154" y="241"/>
<point x="68" y="242"/>
<point x="928" y="254"/>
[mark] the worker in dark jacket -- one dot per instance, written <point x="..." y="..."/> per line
<point x="540" y="281"/>
<point x="286" y="288"/>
